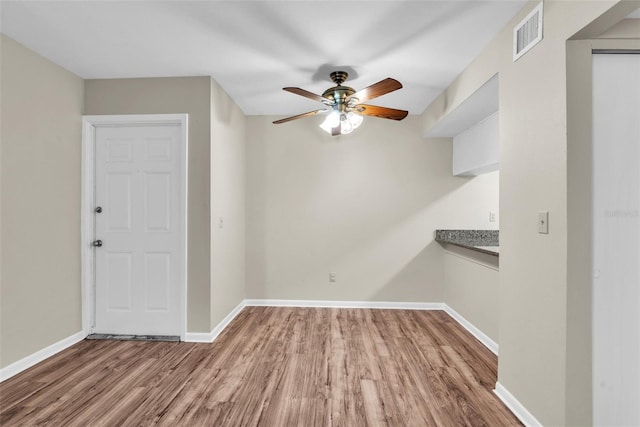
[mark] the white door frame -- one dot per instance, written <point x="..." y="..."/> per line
<point x="87" y="216"/>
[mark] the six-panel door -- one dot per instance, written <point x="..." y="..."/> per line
<point x="138" y="267"/>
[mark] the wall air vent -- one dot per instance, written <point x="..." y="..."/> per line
<point x="527" y="33"/>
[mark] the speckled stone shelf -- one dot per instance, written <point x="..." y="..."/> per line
<point x="485" y="241"/>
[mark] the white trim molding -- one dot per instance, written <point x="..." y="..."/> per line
<point x="40" y="355"/>
<point x="209" y="337"/>
<point x="516" y="407"/>
<point x="87" y="217"/>
<point x="345" y="304"/>
<point x="481" y="336"/>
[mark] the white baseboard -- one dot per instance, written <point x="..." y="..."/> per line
<point x="40" y="355"/>
<point x="516" y="407"/>
<point x="481" y="336"/>
<point x="345" y="304"/>
<point x="208" y="337"/>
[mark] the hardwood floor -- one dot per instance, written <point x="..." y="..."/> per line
<point x="272" y="366"/>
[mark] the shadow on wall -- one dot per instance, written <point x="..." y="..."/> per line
<point x="421" y="274"/>
<point x="363" y="206"/>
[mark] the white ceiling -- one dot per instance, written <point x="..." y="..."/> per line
<point x="253" y="49"/>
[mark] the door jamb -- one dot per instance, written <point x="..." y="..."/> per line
<point x="87" y="217"/>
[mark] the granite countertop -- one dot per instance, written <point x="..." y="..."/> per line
<point x="485" y="241"/>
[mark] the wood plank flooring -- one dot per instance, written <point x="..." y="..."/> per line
<point x="273" y="366"/>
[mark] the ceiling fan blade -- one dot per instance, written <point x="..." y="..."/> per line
<point x="382" y="112"/>
<point x="299" y="116"/>
<point x="305" y="93"/>
<point x="377" y="89"/>
<point x="336" y="130"/>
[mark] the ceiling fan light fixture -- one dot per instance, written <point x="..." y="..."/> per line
<point x="348" y="122"/>
<point x="332" y="121"/>
<point x="345" y="125"/>
<point x="355" y="119"/>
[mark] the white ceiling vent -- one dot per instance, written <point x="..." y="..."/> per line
<point x="527" y="33"/>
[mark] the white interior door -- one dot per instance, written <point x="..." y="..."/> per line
<point x="139" y="267"/>
<point x="616" y="240"/>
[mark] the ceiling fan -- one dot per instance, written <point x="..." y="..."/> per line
<point x="345" y="105"/>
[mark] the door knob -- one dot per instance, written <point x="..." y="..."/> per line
<point x="97" y="243"/>
<point x="99" y="209"/>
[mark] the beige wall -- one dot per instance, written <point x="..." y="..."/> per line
<point x="227" y="203"/>
<point x="534" y="297"/>
<point x="364" y="206"/>
<point x="190" y="95"/>
<point x="40" y="149"/>
<point x="471" y="288"/>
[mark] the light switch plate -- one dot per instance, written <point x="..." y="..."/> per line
<point x="543" y="222"/>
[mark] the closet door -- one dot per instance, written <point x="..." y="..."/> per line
<point x="616" y="239"/>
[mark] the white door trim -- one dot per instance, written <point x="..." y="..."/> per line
<point x="87" y="217"/>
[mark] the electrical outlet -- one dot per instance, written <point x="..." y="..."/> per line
<point x="543" y="222"/>
<point x="492" y="217"/>
<point x="332" y="277"/>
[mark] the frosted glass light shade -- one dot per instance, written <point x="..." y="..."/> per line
<point x="348" y="122"/>
<point x="332" y="121"/>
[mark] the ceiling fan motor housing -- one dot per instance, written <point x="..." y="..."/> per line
<point x="338" y="95"/>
